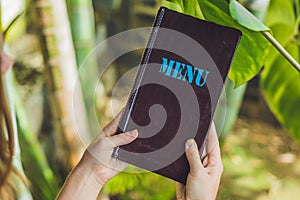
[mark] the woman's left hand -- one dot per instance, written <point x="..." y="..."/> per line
<point x="97" y="166"/>
<point x="101" y="149"/>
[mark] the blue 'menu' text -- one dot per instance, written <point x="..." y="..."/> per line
<point x="183" y="72"/>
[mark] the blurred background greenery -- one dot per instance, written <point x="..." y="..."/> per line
<point x="49" y="41"/>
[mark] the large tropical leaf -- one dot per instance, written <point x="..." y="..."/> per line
<point x="280" y="12"/>
<point x="173" y="6"/>
<point x="281" y="88"/>
<point x="245" y="17"/>
<point x="253" y="47"/>
<point x="280" y="82"/>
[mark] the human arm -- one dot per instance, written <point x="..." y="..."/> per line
<point x="204" y="177"/>
<point x="96" y="166"/>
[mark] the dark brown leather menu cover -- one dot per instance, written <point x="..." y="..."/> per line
<point x="176" y="91"/>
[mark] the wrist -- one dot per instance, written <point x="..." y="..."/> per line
<point x="88" y="169"/>
<point x="82" y="182"/>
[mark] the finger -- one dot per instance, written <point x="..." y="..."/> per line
<point x="213" y="143"/>
<point x="205" y="161"/>
<point x="204" y="153"/>
<point x="180" y="191"/>
<point x="212" y="140"/>
<point x="112" y="127"/>
<point x="123" y="138"/>
<point x="214" y="162"/>
<point x="214" y="166"/>
<point x="193" y="156"/>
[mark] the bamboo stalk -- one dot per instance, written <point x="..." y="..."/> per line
<point x="61" y="74"/>
<point x="82" y="23"/>
<point x="282" y="50"/>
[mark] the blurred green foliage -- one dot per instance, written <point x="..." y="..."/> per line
<point x="280" y="82"/>
<point x="42" y="180"/>
<point x="280" y="85"/>
<point x="140" y="185"/>
<point x="260" y="162"/>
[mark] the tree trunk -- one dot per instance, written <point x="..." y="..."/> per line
<point x="58" y="53"/>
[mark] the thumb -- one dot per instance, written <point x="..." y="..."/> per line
<point x="123" y="138"/>
<point x="193" y="157"/>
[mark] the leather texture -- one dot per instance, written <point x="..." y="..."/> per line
<point x="166" y="110"/>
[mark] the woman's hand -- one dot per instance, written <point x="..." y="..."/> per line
<point x="101" y="149"/>
<point x="97" y="166"/>
<point x="204" y="177"/>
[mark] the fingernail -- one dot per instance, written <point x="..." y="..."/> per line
<point x="205" y="161"/>
<point x="190" y="143"/>
<point x="133" y="133"/>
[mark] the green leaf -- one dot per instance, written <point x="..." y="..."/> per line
<point x="280" y="83"/>
<point x="173" y="6"/>
<point x="140" y="186"/>
<point x="11" y="23"/>
<point x="280" y="11"/>
<point x="43" y="183"/>
<point x="252" y="50"/>
<point x="281" y="89"/>
<point x="296" y="7"/>
<point x="198" y="13"/>
<point x="245" y="18"/>
<point x="189" y="7"/>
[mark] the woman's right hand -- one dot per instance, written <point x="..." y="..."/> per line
<point x="204" y="177"/>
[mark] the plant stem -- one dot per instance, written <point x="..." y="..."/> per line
<point x="282" y="50"/>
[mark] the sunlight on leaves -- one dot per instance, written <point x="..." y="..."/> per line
<point x="245" y="18"/>
<point x="253" y="47"/>
<point x="281" y="88"/>
<point x="280" y="82"/>
<point x="172" y="6"/>
<point x="252" y="50"/>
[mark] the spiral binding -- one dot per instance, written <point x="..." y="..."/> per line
<point x="138" y="80"/>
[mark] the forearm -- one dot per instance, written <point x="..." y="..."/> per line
<point x="82" y="183"/>
<point x="96" y="166"/>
